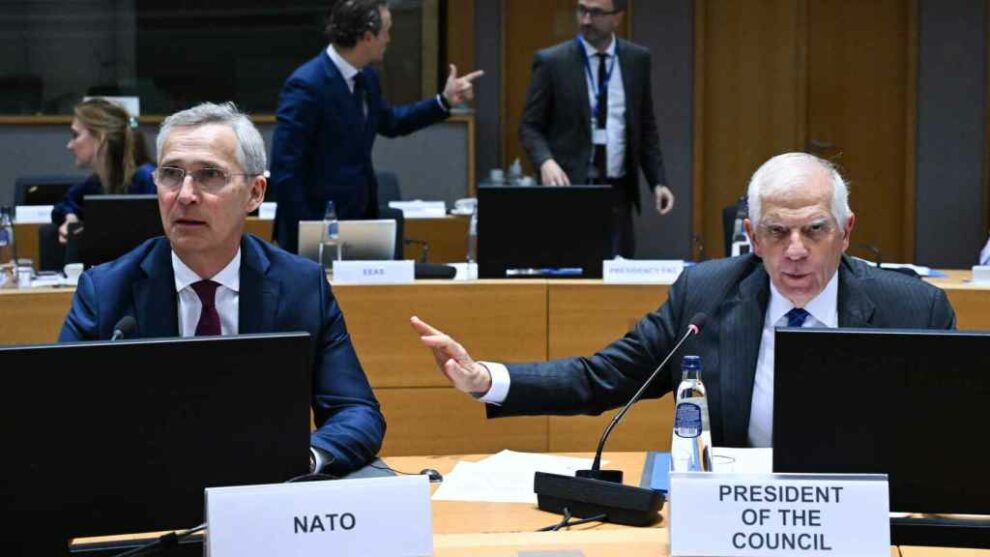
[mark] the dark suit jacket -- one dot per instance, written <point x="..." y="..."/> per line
<point x="556" y="122"/>
<point x="734" y="293"/>
<point x="321" y="147"/>
<point x="279" y="292"/>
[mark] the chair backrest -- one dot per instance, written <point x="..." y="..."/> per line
<point x="388" y="188"/>
<point x="47" y="189"/>
<point x="386" y="212"/>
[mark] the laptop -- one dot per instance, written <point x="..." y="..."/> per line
<point x="119" y="437"/>
<point x="368" y="240"/>
<point x="911" y="404"/>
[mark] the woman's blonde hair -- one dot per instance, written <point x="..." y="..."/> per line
<point x="111" y="125"/>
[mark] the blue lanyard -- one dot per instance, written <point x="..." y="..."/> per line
<point x="591" y="78"/>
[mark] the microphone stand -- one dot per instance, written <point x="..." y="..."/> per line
<point x="598" y="492"/>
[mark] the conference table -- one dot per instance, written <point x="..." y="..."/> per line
<point x="501" y="320"/>
<point x="481" y="529"/>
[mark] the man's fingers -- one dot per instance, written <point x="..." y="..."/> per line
<point x="453" y="72"/>
<point x="472" y="76"/>
<point x="422" y="327"/>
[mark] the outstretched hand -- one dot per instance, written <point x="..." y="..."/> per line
<point x="453" y="360"/>
<point x="459" y="89"/>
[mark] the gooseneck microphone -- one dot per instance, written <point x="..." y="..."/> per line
<point x="694" y="328"/>
<point x="124" y="328"/>
<point x="597" y="492"/>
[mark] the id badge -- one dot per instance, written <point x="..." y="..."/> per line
<point x="599" y="137"/>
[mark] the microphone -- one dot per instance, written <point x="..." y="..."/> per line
<point x="124" y="328"/>
<point x="598" y="492"/>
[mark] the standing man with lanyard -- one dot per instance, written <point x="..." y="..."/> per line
<point x="607" y="81"/>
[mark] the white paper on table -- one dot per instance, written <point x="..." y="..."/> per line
<point x="746" y="461"/>
<point x="506" y="477"/>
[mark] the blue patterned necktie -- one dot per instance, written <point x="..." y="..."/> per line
<point x="796" y="317"/>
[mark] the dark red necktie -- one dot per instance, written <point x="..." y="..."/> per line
<point x="209" y="319"/>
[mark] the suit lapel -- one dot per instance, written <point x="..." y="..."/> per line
<point x="854" y="306"/>
<point x="341" y="98"/>
<point x="741" y="330"/>
<point x="155" y="300"/>
<point x="625" y="65"/>
<point x="578" y="74"/>
<point x="258" y="298"/>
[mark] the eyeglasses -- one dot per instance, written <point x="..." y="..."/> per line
<point x="209" y="179"/>
<point x="594" y="13"/>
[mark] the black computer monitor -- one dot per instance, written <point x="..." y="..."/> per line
<point x="544" y="231"/>
<point x="910" y="404"/>
<point x="105" y="438"/>
<point x="116" y="224"/>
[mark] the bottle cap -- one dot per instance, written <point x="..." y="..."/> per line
<point x="691" y="362"/>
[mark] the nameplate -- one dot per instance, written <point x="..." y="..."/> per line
<point x="729" y="515"/>
<point x="33" y="214"/>
<point x="632" y="271"/>
<point x="375" y="516"/>
<point x="374" y="272"/>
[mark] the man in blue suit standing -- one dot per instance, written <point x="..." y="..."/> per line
<point x="330" y="111"/>
<point x="207" y="277"/>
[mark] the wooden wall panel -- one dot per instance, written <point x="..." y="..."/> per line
<point x="858" y="83"/>
<point x="752" y="101"/>
<point x="460" y="35"/>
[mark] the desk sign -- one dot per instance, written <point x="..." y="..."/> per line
<point x="374" y="272"/>
<point x="632" y="271"/>
<point x="377" y="516"/>
<point x="730" y="515"/>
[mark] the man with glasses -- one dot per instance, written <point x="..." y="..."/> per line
<point x="206" y="277"/>
<point x="589" y="118"/>
<point x="798" y="276"/>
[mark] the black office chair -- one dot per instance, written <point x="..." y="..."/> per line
<point x="388" y="188"/>
<point x="45" y="189"/>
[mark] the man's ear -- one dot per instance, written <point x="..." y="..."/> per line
<point x="256" y="192"/>
<point x="751" y="232"/>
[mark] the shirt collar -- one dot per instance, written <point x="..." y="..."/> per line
<point x="345" y="67"/>
<point x="590" y="51"/>
<point x="824" y="307"/>
<point x="229" y="276"/>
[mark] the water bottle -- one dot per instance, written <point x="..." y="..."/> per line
<point x="329" y="245"/>
<point x="8" y="251"/>
<point x="740" y="241"/>
<point x="690" y="447"/>
<point x="472" y="245"/>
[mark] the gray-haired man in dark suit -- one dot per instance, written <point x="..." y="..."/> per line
<point x="800" y="225"/>
<point x="589" y="118"/>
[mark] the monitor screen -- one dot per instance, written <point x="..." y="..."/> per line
<point x="106" y="438"/>
<point x="544" y="231"/>
<point x="910" y="404"/>
<point x="116" y="224"/>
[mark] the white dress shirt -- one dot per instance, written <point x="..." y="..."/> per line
<point x="226" y="297"/>
<point x="349" y="71"/>
<point x="615" y="122"/>
<point x="824" y="312"/>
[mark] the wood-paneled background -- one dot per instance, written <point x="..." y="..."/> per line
<point x="834" y="77"/>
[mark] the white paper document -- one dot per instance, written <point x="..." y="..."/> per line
<point x="728" y="460"/>
<point x="506" y="477"/>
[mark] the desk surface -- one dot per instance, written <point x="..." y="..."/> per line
<point x="504" y="529"/>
